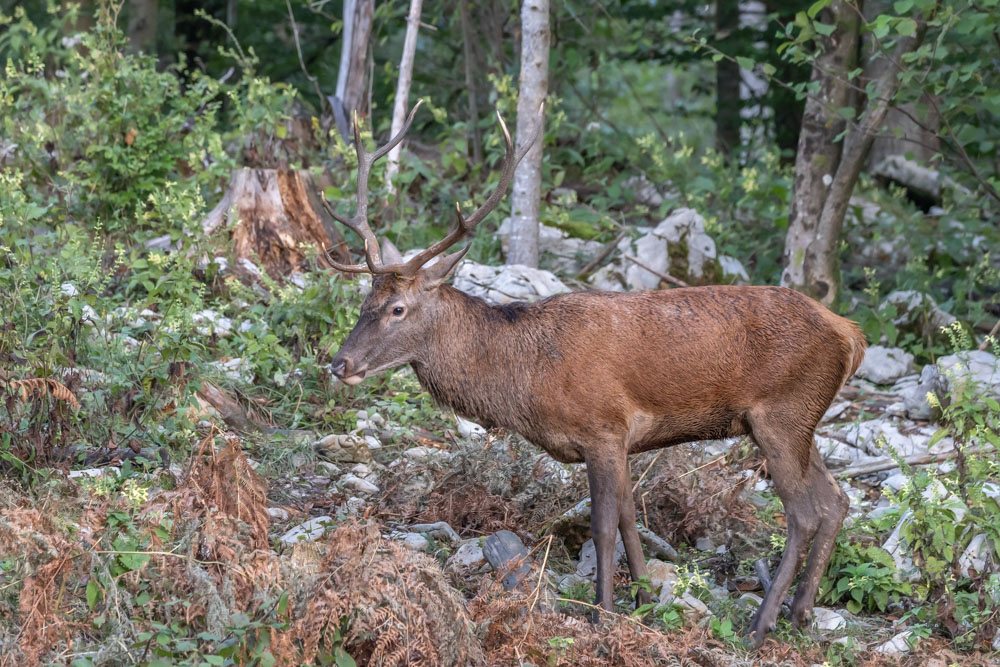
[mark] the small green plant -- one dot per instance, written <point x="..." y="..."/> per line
<point x="943" y="513"/>
<point x="864" y="576"/>
<point x="561" y="647"/>
<point x="722" y="629"/>
<point x="579" y="590"/>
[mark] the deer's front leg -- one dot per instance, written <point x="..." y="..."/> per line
<point x="607" y="475"/>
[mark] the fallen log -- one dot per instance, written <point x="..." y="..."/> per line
<point x="228" y="407"/>
<point x="889" y="464"/>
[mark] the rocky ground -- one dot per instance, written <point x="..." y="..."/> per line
<point x="497" y="534"/>
<point x="391" y="539"/>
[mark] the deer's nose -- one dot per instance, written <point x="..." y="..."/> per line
<point x="339" y="367"/>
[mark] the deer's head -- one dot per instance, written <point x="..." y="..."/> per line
<point x="404" y="301"/>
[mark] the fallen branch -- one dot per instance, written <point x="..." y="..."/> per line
<point x="990" y="337"/>
<point x="439" y="530"/>
<point x="231" y="411"/>
<point x="889" y="464"/>
<point x="664" y="276"/>
<point x="760" y="567"/>
<point x="656" y="544"/>
<point x="605" y="251"/>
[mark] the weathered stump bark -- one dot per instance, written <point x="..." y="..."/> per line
<point x="272" y="214"/>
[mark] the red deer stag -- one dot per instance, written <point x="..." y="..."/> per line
<point x="595" y="376"/>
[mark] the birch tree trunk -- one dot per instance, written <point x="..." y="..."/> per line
<point x="402" y="102"/>
<point x="350" y="91"/>
<point x="910" y="128"/>
<point x="533" y="87"/>
<point x="824" y="181"/>
<point x="817" y="157"/>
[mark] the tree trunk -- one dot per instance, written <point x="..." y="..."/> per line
<point x="470" y="84"/>
<point x="84" y="20"/>
<point x="814" y="230"/>
<point x="142" y="25"/>
<point x="272" y="212"/>
<point x="402" y="102"/>
<point x="232" y="13"/>
<point x="350" y="91"/>
<point x="727" y="80"/>
<point x="528" y="174"/>
<point x="817" y="158"/>
<point x="907" y="128"/>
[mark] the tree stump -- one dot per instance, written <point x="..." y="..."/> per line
<point x="272" y="213"/>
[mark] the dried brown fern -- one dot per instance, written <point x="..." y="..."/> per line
<point x="45" y="557"/>
<point x="683" y="501"/>
<point x="31" y="387"/>
<point x="42" y="624"/>
<point x="395" y="604"/>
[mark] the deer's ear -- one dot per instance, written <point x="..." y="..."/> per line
<point x="438" y="272"/>
<point x="390" y="253"/>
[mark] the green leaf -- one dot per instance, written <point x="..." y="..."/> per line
<point x="281" y="131"/>
<point x="847" y="113"/>
<point x="940" y="433"/>
<point x="644" y="609"/>
<point x="854" y="606"/>
<point x="902" y="6"/>
<point x="825" y="29"/>
<point x="881" y="25"/>
<point x="240" y="620"/>
<point x="343" y="658"/>
<point x="744" y="62"/>
<point x="817" y="7"/>
<point x="215" y="660"/>
<point x="906" y="27"/>
<point x="92" y="592"/>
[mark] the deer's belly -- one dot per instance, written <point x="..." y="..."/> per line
<point x="561" y="447"/>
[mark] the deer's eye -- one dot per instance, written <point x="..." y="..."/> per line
<point x="398" y="310"/>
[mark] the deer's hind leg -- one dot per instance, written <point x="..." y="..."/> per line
<point x="832" y="504"/>
<point x="787" y="445"/>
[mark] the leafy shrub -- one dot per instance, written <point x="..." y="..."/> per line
<point x="863" y="575"/>
<point x="941" y="511"/>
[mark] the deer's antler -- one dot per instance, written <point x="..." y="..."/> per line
<point x="463" y="226"/>
<point x="359" y="223"/>
<point x="466" y="225"/>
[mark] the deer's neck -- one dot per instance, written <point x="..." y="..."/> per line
<point x="481" y="360"/>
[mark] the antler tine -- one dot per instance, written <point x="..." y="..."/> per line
<point x="359" y="222"/>
<point x="465" y="225"/>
